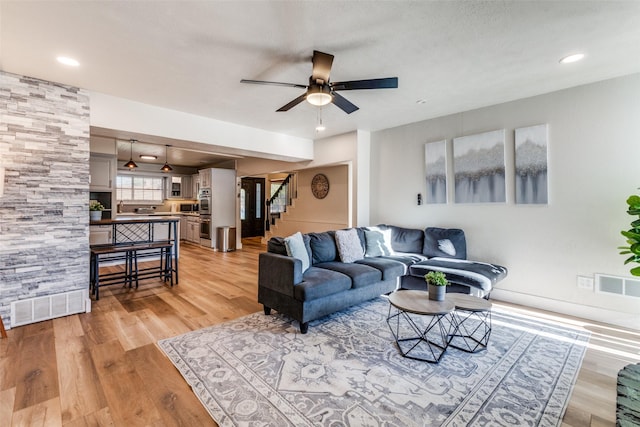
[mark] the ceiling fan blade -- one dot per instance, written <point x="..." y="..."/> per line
<point x="293" y="103"/>
<point x="342" y="103"/>
<point x="262" y="82"/>
<point x="321" y="66"/>
<point x="386" y="83"/>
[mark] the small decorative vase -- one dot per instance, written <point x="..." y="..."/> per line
<point x="95" y="215"/>
<point x="437" y="293"/>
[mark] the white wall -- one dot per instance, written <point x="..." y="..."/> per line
<point x="362" y="172"/>
<point x="120" y="114"/>
<point x="594" y="149"/>
<point x="309" y="214"/>
<point x="342" y="149"/>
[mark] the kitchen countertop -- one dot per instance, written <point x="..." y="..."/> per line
<point x="158" y="214"/>
<point x="136" y="218"/>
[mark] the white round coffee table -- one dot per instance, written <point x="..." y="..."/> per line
<point x="420" y="326"/>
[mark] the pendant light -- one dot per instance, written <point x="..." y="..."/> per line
<point x="166" y="167"/>
<point x="131" y="164"/>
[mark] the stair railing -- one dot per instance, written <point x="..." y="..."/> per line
<point x="270" y="218"/>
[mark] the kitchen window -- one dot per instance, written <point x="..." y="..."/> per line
<point x="140" y="189"/>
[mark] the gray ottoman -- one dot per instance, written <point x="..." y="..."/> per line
<point x="470" y="277"/>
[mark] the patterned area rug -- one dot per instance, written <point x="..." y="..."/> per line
<point x="347" y="371"/>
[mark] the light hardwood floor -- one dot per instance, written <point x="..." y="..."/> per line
<point x="103" y="368"/>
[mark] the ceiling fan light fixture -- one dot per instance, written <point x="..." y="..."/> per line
<point x="320" y="91"/>
<point x="319" y="95"/>
<point x="131" y="164"/>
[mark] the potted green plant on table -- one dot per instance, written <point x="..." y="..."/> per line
<point x="437" y="283"/>
<point x="633" y="235"/>
<point x="95" y="210"/>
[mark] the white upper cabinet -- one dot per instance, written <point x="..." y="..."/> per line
<point x="179" y="187"/>
<point x="195" y="185"/>
<point x="102" y="170"/>
<point x="205" y="178"/>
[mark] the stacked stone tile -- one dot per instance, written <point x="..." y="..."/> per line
<point x="44" y="219"/>
<point x="628" y="403"/>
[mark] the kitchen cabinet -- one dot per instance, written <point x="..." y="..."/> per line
<point x="179" y="187"/>
<point x="100" y="234"/>
<point x="102" y="172"/>
<point x="187" y="190"/>
<point x="193" y="230"/>
<point x="195" y="185"/>
<point x="205" y="178"/>
<point x="183" y="228"/>
<point x="160" y="231"/>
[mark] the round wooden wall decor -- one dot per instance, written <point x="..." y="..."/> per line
<point x="320" y="186"/>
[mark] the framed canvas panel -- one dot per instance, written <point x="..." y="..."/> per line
<point x="479" y="168"/>
<point x="531" y="164"/>
<point x="435" y="160"/>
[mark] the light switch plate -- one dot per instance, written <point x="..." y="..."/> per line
<point x="585" y="283"/>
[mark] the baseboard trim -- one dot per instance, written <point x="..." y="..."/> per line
<point x="625" y="320"/>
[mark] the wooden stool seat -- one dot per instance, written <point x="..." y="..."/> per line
<point x="131" y="253"/>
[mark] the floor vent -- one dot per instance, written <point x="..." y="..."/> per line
<point x="623" y="286"/>
<point x="47" y="307"/>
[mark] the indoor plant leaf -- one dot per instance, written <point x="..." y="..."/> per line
<point x="635" y="271"/>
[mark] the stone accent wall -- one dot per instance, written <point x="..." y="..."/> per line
<point x="44" y="218"/>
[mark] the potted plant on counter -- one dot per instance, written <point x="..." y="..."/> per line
<point x="437" y="283"/>
<point x="95" y="210"/>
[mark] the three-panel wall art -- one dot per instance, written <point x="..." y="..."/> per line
<point x="479" y="167"/>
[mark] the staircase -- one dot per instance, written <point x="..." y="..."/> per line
<point x="288" y="188"/>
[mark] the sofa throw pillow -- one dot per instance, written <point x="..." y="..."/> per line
<point x="378" y="242"/>
<point x="444" y="242"/>
<point x="307" y="244"/>
<point x="407" y="240"/>
<point x="349" y="246"/>
<point x="446" y="246"/>
<point x="296" y="248"/>
<point x="276" y="245"/>
<point x="323" y="247"/>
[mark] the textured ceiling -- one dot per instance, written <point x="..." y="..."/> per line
<point x="191" y="55"/>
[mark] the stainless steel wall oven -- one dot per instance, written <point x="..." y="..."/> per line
<point x="205" y="227"/>
<point x="204" y="200"/>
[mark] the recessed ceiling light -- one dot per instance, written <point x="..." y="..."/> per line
<point x="572" y="58"/>
<point x="68" y="61"/>
<point x="148" y="157"/>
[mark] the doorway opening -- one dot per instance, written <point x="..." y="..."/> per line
<point x="252" y="207"/>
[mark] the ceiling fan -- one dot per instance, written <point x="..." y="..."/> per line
<point x="320" y="91"/>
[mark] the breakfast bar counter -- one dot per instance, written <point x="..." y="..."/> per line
<point x="132" y="237"/>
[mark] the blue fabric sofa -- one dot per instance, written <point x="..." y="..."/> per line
<point x="344" y="270"/>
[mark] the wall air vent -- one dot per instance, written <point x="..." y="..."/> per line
<point x="47" y="307"/>
<point x="617" y="285"/>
